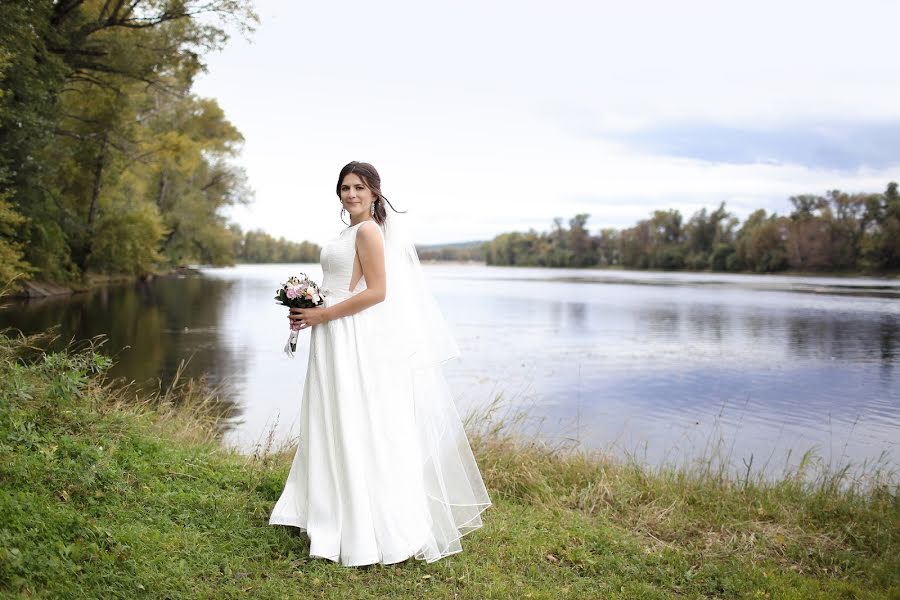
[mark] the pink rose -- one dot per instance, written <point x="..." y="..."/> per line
<point x="291" y="292"/>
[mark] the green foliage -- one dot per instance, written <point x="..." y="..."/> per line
<point x="881" y="240"/>
<point x="560" y="247"/>
<point x="760" y="243"/>
<point x="834" y="232"/>
<point x="98" y="123"/>
<point x="12" y="263"/>
<point x="459" y="251"/>
<point x="260" y="247"/>
<point x="125" y="239"/>
<point x="720" y="257"/>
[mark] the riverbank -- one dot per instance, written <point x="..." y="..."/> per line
<point x="45" y="289"/>
<point x="106" y="493"/>
<point x="889" y="275"/>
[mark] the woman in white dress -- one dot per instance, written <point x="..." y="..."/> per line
<point x="383" y="470"/>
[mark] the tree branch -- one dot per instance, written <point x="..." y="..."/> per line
<point x="102" y="68"/>
<point x="104" y="9"/>
<point x="62" y="8"/>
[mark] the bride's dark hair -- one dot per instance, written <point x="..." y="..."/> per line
<point x="372" y="180"/>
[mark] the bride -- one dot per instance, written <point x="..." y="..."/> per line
<point x="383" y="470"/>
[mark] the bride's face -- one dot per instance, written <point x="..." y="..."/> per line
<point x="356" y="197"/>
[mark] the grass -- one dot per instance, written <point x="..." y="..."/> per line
<point x="106" y="492"/>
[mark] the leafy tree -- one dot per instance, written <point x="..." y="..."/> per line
<point x="709" y="238"/>
<point x="582" y="247"/>
<point x="126" y="238"/>
<point x="608" y="244"/>
<point x="881" y="241"/>
<point x="86" y="87"/>
<point x="12" y="263"/>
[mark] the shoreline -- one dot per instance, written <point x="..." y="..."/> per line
<point x="887" y="276"/>
<point x="38" y="289"/>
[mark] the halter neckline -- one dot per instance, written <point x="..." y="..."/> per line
<point x="358" y="224"/>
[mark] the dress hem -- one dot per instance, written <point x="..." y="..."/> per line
<point x="289" y="522"/>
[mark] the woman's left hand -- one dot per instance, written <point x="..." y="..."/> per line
<point x="307" y="317"/>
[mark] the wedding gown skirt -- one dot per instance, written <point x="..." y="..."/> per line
<point x="383" y="470"/>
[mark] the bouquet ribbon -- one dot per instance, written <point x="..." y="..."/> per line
<point x="291" y="346"/>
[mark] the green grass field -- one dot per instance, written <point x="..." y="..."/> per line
<point x="110" y="493"/>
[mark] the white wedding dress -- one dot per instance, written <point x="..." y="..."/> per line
<point x="383" y="470"/>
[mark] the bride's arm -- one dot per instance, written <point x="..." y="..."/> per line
<point x="370" y="248"/>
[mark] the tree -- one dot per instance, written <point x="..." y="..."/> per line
<point x="709" y="238"/>
<point x="760" y="244"/>
<point x="12" y="263"/>
<point x="580" y="243"/>
<point x="77" y="145"/>
<point x="881" y="241"/>
<point x="608" y="244"/>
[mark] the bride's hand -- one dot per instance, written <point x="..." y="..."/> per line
<point x="301" y="318"/>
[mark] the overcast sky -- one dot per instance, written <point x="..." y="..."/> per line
<point x="492" y="116"/>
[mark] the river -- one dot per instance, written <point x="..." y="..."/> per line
<point x="665" y="367"/>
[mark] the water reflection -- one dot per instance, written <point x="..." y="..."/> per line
<point x="625" y="358"/>
<point x="707" y="321"/>
<point x="565" y="316"/>
<point x="660" y="320"/>
<point x="889" y="335"/>
<point x="850" y="338"/>
<point x="150" y="328"/>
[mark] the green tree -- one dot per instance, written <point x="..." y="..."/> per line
<point x="709" y="238"/>
<point x="666" y="250"/>
<point x="608" y="244"/>
<point x="80" y="82"/>
<point x="12" y="263"/>
<point x="881" y="240"/>
<point x="760" y="244"/>
<point x="580" y="243"/>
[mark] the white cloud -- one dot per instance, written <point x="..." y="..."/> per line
<point x="478" y="114"/>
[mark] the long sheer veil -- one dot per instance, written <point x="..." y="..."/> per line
<point x="423" y="330"/>
<point x="423" y="341"/>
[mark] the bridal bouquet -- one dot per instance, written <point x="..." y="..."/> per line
<point x="298" y="292"/>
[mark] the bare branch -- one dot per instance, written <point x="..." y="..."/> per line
<point x="104" y="11"/>
<point x="62" y="8"/>
<point x="72" y="134"/>
<point x="114" y="15"/>
<point x="219" y="176"/>
<point x="82" y="75"/>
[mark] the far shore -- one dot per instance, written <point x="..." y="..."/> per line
<point x="43" y="289"/>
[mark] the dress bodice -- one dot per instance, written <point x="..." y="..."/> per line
<point x="337" y="259"/>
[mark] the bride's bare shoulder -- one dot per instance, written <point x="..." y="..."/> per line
<point x="370" y="230"/>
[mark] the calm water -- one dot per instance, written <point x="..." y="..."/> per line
<point x="658" y="365"/>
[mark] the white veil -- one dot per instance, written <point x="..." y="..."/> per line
<point x="455" y="492"/>
<point x="422" y="329"/>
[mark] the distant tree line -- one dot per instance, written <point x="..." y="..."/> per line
<point x="108" y="161"/>
<point x="471" y="251"/>
<point x="835" y="232"/>
<point x="260" y="247"/>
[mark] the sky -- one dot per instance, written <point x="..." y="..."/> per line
<point x="492" y="116"/>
